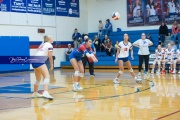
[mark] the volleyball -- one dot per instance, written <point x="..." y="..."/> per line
<point x="115" y="16"/>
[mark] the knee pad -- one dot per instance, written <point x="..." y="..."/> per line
<point x="81" y="74"/>
<point x="76" y="73"/>
<point x="37" y="82"/>
<point x="131" y="70"/>
<point x="120" y="72"/>
<point x="46" y="81"/>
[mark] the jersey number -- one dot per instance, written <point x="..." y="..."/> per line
<point x="125" y="49"/>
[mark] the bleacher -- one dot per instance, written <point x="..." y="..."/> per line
<point x="109" y="62"/>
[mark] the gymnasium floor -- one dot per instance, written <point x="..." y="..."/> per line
<point x="158" y="98"/>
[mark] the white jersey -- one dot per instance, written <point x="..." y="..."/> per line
<point x="136" y="10"/>
<point x="124" y="49"/>
<point x="171" y="6"/>
<point x="151" y="9"/>
<point x="143" y="46"/>
<point x="44" y="48"/>
<point x="169" y="54"/>
<point x="159" y="54"/>
<point x="178" y="54"/>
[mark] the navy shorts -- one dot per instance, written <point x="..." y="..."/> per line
<point x="71" y="56"/>
<point x="123" y="59"/>
<point x="36" y="65"/>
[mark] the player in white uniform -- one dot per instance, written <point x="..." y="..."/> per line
<point x="176" y="60"/>
<point x="44" y="50"/>
<point x="122" y="56"/>
<point x="168" y="57"/>
<point x="137" y="10"/>
<point x="150" y="8"/>
<point x="171" y="7"/>
<point x="159" y="56"/>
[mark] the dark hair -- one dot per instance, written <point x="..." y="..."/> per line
<point x="87" y="40"/>
<point x="150" y="4"/>
<point x="108" y="20"/>
<point x="100" y="21"/>
<point x="75" y="29"/>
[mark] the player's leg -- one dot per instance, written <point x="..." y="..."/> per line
<point x="146" y="57"/>
<point x="164" y="65"/>
<point x="36" y="84"/>
<point x="45" y="73"/>
<point x="174" y="66"/>
<point x="140" y="65"/>
<point x="154" y="64"/>
<point x="121" y="69"/>
<point x="128" y="64"/>
<point x="159" y="66"/>
<point x="76" y="73"/>
<point x="81" y="74"/>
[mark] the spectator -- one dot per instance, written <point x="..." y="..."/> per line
<point x="175" y="31"/>
<point x="149" y="37"/>
<point x="163" y="31"/>
<point x="76" y="38"/>
<point x="103" y="43"/>
<point x="100" y="27"/>
<point x="174" y="47"/>
<point x="108" y="46"/>
<point x="116" y="47"/>
<point x="68" y="52"/>
<point x="97" y="43"/>
<point x="108" y="27"/>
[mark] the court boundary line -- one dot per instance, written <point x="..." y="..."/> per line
<point x="167" y="115"/>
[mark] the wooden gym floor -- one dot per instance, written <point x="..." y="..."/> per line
<point x="158" y="97"/>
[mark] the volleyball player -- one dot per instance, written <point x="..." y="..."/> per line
<point x="75" y="59"/>
<point x="168" y="57"/>
<point x="122" y="57"/>
<point x="158" y="60"/>
<point x="176" y="60"/>
<point x="46" y="50"/>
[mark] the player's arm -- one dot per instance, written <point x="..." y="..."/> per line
<point x="50" y="54"/>
<point x="136" y="44"/>
<point x="117" y="53"/>
<point x="131" y="49"/>
<point x="150" y="43"/>
<point x="172" y="55"/>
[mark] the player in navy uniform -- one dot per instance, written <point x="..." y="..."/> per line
<point x="75" y="59"/>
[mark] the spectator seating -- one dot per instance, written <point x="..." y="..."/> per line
<point x="109" y="62"/>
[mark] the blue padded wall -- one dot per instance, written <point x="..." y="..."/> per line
<point x="14" y="46"/>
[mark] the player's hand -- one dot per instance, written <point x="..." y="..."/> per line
<point x="51" y="68"/>
<point x="116" y="60"/>
<point x="95" y="60"/>
<point x="132" y="57"/>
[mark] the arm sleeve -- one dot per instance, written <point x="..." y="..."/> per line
<point x="136" y="42"/>
<point x="50" y="48"/>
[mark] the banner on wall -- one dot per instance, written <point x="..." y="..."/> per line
<point x="171" y="11"/>
<point x="34" y="6"/>
<point x="135" y="13"/>
<point x="48" y="7"/>
<point x="152" y="12"/>
<point x="73" y="8"/>
<point x="62" y="7"/>
<point x="4" y="5"/>
<point x="18" y="6"/>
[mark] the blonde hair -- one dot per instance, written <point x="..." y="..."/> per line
<point x="47" y="38"/>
